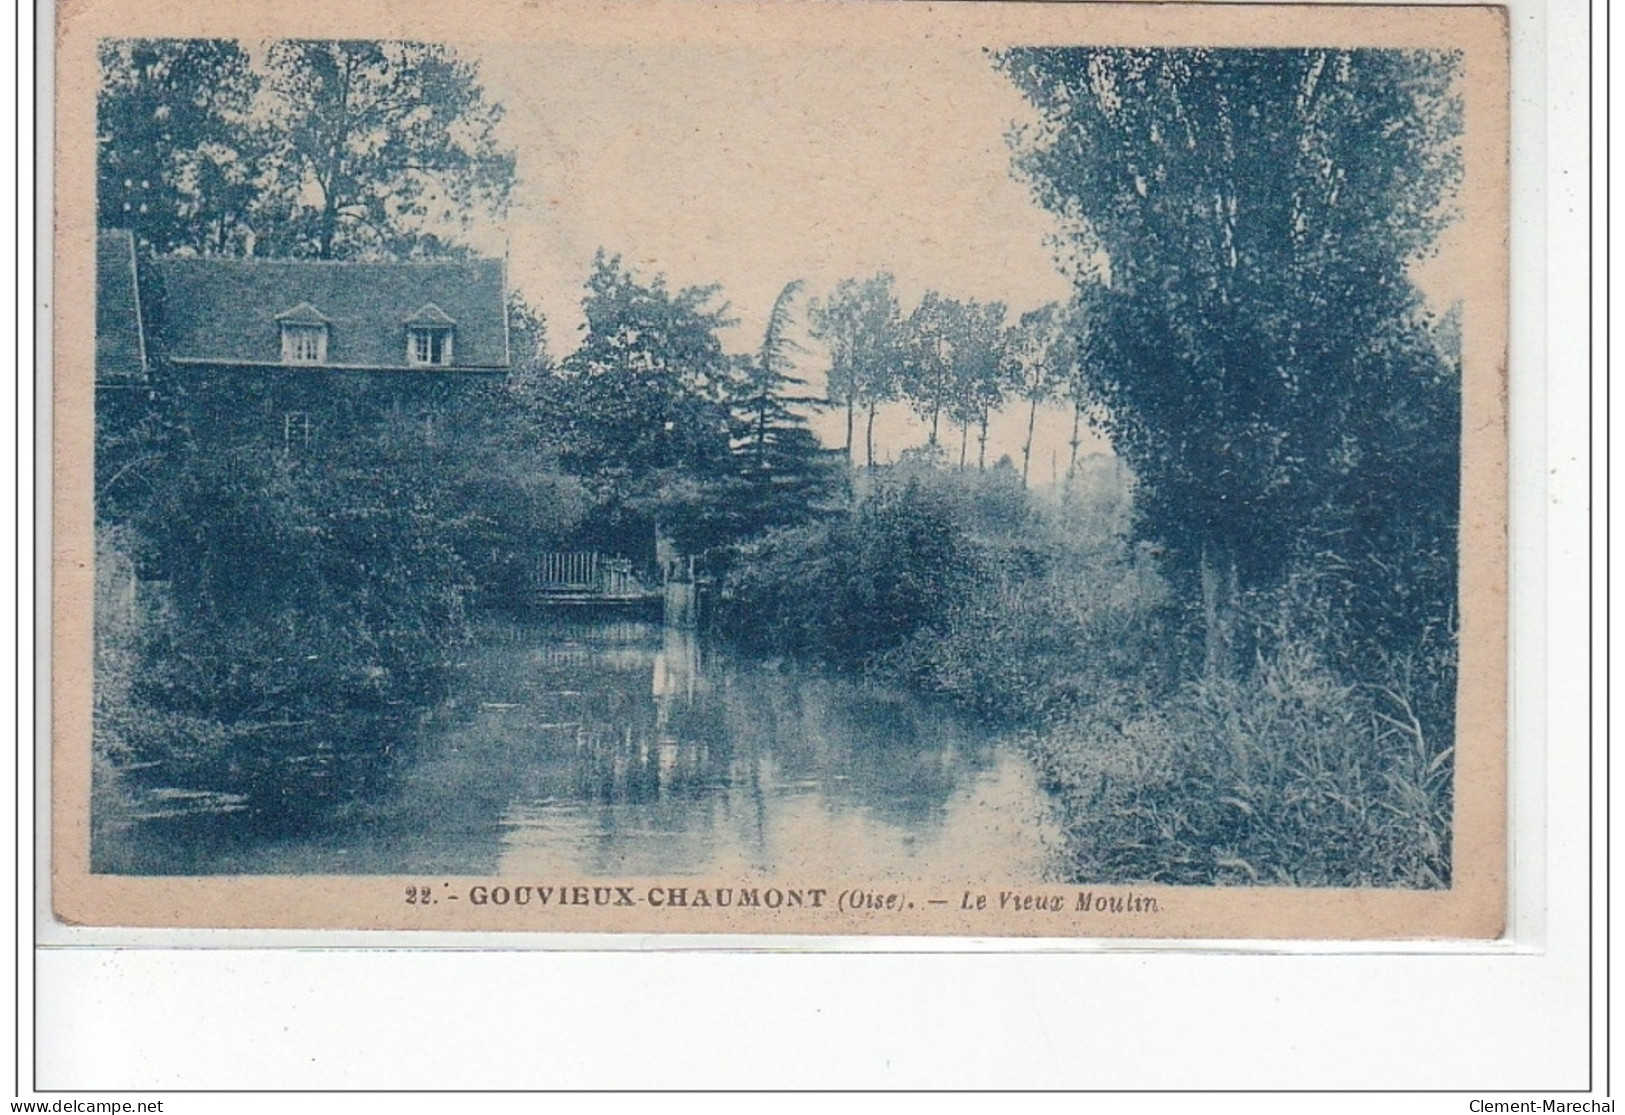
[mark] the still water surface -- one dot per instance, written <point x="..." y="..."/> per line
<point x="609" y="747"/>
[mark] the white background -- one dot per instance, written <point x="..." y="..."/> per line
<point x="225" y="1012"/>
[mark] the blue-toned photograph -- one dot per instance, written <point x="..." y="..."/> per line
<point x="1031" y="465"/>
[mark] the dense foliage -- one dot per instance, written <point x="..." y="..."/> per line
<point x="323" y="149"/>
<point x="171" y="124"/>
<point x="850" y="589"/>
<point x="673" y="437"/>
<point x="1243" y="222"/>
<point x="298" y="591"/>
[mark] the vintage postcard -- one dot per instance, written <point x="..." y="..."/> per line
<point x="969" y="469"/>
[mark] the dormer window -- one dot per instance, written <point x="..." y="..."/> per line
<point x="304" y="335"/>
<point x="429" y="334"/>
<point x="431" y="346"/>
<point x="304" y="344"/>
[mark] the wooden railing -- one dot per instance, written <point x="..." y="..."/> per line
<point x="586" y="573"/>
<point x="577" y="571"/>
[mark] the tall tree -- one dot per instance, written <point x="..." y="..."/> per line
<point x="766" y="375"/>
<point x="175" y="158"/>
<point x="324" y="149"/>
<point x="928" y="354"/>
<point x="785" y="470"/>
<point x="861" y="325"/>
<point x="1039" y="359"/>
<point x="642" y="406"/>
<point x="950" y="361"/>
<point x="385" y="146"/>
<point x="646" y="388"/>
<point x="1081" y="341"/>
<point x="978" y="378"/>
<point x="531" y="368"/>
<point x="1253" y="214"/>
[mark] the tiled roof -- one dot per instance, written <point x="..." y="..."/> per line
<point x="120" y="344"/>
<point x="430" y="314"/>
<point x="229" y="311"/>
<point x="303" y="314"/>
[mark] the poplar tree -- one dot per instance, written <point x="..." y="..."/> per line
<point x="1264" y="362"/>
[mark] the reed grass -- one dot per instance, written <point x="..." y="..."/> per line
<point x="1287" y="776"/>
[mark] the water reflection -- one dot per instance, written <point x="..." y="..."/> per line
<point x="624" y="748"/>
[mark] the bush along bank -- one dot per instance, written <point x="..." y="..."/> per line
<point x="1320" y="759"/>
<point x="273" y="625"/>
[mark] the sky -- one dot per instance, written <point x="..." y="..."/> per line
<point x="750" y="167"/>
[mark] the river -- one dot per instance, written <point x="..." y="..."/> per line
<point x="605" y="747"/>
